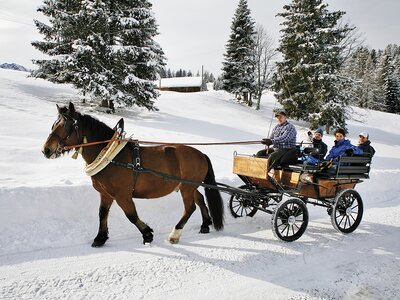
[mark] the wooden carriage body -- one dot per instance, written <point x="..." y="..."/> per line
<point x="302" y="180"/>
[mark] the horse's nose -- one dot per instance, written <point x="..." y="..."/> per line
<point x="47" y="152"/>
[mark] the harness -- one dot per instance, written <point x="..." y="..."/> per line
<point x="107" y="154"/>
<point x="70" y="126"/>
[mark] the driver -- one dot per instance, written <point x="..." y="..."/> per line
<point x="283" y="140"/>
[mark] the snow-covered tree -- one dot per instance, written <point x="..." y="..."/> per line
<point x="105" y="48"/>
<point x="217" y="84"/>
<point x="238" y="65"/>
<point x="376" y="78"/>
<point x="389" y="83"/>
<point x="307" y="82"/>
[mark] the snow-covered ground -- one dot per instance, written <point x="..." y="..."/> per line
<point x="48" y="213"/>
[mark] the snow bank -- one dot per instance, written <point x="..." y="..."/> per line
<point x="49" y="213"/>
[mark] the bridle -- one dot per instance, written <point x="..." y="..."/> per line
<point x="70" y="126"/>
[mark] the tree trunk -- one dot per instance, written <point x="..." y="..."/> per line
<point x="111" y="105"/>
<point x="250" y="100"/>
<point x="258" y="97"/>
<point x="108" y="104"/>
<point x="104" y="103"/>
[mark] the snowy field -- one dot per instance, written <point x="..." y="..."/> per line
<point x="48" y="215"/>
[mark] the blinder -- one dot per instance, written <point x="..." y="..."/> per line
<point x="70" y="125"/>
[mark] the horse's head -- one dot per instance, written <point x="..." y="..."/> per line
<point x="64" y="132"/>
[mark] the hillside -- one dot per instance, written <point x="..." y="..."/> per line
<point x="49" y="213"/>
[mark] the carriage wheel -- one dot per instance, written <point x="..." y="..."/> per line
<point x="347" y="211"/>
<point x="290" y="219"/>
<point x="241" y="206"/>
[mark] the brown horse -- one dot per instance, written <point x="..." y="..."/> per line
<point x="121" y="184"/>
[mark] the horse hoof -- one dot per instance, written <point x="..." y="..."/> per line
<point x="174" y="236"/>
<point x="147" y="240"/>
<point x="204" y="229"/>
<point x="147" y="235"/>
<point x="98" y="244"/>
<point x="173" y="240"/>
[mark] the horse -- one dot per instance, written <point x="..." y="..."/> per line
<point x="122" y="184"/>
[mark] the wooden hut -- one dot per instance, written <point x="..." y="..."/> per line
<point x="180" y="84"/>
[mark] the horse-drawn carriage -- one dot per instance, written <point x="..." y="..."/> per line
<point x="121" y="169"/>
<point x="301" y="184"/>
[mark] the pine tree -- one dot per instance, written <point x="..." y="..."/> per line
<point x="238" y="65"/>
<point x="169" y="73"/>
<point x="105" y="48"/>
<point x="307" y="81"/>
<point x="163" y="73"/>
<point x="389" y="83"/>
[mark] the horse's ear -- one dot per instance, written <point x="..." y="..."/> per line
<point x="120" y="125"/>
<point x="71" y="109"/>
<point x="58" y="109"/>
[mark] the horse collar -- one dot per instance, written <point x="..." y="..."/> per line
<point x="80" y="150"/>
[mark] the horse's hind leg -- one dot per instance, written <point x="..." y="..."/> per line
<point x="199" y="199"/>
<point x="189" y="208"/>
<point x="102" y="235"/>
<point x="129" y="208"/>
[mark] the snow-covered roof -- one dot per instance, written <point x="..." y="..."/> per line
<point x="179" y="82"/>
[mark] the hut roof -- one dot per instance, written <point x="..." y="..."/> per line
<point x="179" y="82"/>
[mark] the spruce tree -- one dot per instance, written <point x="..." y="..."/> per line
<point x="238" y="65"/>
<point x="105" y="48"/>
<point x="307" y="81"/>
<point x="389" y="83"/>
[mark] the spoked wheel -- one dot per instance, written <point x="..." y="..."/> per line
<point x="347" y="211"/>
<point x="241" y="206"/>
<point x="290" y="219"/>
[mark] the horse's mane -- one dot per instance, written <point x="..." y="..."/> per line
<point x="98" y="129"/>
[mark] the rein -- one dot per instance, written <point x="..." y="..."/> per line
<point x="159" y="143"/>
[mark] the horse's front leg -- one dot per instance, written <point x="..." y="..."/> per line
<point x="129" y="208"/>
<point x="102" y="235"/>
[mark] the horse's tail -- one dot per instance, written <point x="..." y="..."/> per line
<point x="214" y="198"/>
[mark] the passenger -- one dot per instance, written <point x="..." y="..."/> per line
<point x="365" y="144"/>
<point x="342" y="147"/>
<point x="283" y="139"/>
<point x="318" y="144"/>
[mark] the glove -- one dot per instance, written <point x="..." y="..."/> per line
<point x="326" y="165"/>
<point x="309" y="133"/>
<point x="349" y="151"/>
<point x="267" y="142"/>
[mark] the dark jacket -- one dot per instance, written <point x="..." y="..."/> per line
<point x="339" y="149"/>
<point x="323" y="148"/>
<point x="367" y="149"/>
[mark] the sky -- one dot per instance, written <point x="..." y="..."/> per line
<point x="193" y="33"/>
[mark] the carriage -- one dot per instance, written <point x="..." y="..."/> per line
<point x="286" y="191"/>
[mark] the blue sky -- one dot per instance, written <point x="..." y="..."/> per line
<point x="194" y="32"/>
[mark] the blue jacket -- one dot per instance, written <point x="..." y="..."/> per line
<point x="339" y="149"/>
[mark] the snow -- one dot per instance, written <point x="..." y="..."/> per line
<point x="48" y="214"/>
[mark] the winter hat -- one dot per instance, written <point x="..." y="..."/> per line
<point x="280" y="112"/>
<point x="340" y="130"/>
<point x="364" y="134"/>
<point x="320" y="131"/>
